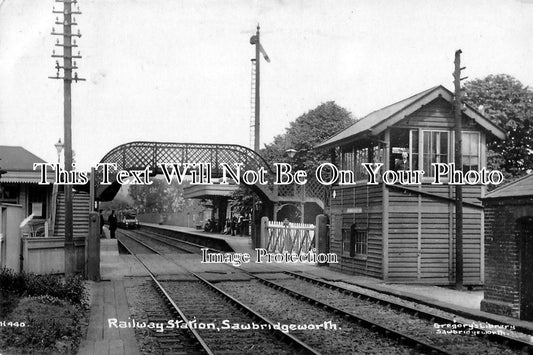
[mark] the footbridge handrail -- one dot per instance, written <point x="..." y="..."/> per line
<point x="140" y="155"/>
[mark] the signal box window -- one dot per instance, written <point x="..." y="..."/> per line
<point x="428" y="148"/>
<point x="470" y="149"/>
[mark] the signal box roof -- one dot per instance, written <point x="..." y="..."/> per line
<point x="378" y="121"/>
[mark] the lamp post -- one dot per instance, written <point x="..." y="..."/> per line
<point x="59" y="147"/>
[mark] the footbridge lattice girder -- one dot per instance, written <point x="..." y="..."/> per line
<point x="140" y="155"/>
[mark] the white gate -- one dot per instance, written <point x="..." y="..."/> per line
<point x="297" y="238"/>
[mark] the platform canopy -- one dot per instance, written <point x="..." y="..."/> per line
<point x="209" y="191"/>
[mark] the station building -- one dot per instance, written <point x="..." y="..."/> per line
<point x="406" y="233"/>
<point x="36" y="244"/>
<point x="19" y="185"/>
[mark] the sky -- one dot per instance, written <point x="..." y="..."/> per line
<point x="180" y="71"/>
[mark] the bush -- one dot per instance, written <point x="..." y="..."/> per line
<point x="49" y="322"/>
<point x="25" y="284"/>
<point x="8" y="302"/>
<point x="12" y="282"/>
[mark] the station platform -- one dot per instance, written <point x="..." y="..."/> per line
<point x="108" y="300"/>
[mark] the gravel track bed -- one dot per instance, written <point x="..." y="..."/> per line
<point x="132" y="245"/>
<point x="397" y="320"/>
<point x="162" y="239"/>
<point x="200" y="303"/>
<point x="146" y="305"/>
<point x="158" y="245"/>
<point x="348" y="338"/>
<point x="424" y="308"/>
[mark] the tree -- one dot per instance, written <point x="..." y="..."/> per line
<point x="505" y="101"/>
<point x="302" y="135"/>
<point x="307" y="131"/>
<point x="121" y="201"/>
<point x="158" y="197"/>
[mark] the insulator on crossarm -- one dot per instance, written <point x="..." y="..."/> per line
<point x="57" y="41"/>
<point x="74" y="41"/>
<point x="79" y="33"/>
<point x="57" y="19"/>
<point x="53" y="52"/>
<point x="74" y="63"/>
<point x="53" y="30"/>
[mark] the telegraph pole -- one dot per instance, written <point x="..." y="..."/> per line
<point x="257" y="92"/>
<point x="69" y="42"/>
<point x="458" y="112"/>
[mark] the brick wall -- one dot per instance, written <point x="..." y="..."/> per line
<point x="502" y="257"/>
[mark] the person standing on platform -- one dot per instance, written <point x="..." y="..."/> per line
<point x="240" y="223"/>
<point x="233" y="226"/>
<point x="246" y="222"/>
<point x="112" y="220"/>
<point x="227" y="227"/>
<point x="102" y="222"/>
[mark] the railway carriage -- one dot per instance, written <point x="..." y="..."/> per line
<point x="127" y="219"/>
<point x="406" y="232"/>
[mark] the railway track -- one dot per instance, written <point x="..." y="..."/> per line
<point x="398" y="323"/>
<point x="184" y="246"/>
<point x="357" y="331"/>
<point x="423" y="320"/>
<point x="196" y="307"/>
<point x="134" y="245"/>
<point x="157" y="246"/>
<point x="408" y="324"/>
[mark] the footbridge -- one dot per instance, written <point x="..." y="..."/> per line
<point x="142" y="155"/>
